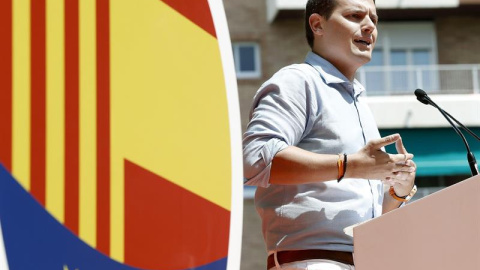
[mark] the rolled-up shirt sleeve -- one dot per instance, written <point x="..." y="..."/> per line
<point x="278" y="119"/>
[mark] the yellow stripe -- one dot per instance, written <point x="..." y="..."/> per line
<point x="21" y="92"/>
<point x="117" y="205"/>
<point x="87" y="219"/>
<point x="117" y="195"/>
<point x="55" y="169"/>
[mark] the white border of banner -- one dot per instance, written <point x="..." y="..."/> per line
<point x="3" y="255"/>
<point x="236" y="215"/>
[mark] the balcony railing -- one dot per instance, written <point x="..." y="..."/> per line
<point x="434" y="79"/>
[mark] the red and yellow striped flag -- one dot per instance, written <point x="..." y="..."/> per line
<point x="115" y="118"/>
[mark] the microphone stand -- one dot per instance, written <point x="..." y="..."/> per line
<point x="472" y="162"/>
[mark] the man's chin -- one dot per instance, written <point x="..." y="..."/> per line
<point x="364" y="57"/>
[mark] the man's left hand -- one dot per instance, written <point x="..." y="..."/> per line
<point x="403" y="182"/>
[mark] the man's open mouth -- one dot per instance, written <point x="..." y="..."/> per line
<point x="364" y="42"/>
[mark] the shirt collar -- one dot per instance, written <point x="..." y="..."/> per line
<point x="331" y="75"/>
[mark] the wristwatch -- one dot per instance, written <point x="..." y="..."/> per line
<point x="403" y="199"/>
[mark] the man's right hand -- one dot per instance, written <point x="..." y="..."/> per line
<point x="371" y="162"/>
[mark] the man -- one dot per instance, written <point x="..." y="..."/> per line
<point x="313" y="149"/>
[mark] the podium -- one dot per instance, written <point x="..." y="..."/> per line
<point x="440" y="231"/>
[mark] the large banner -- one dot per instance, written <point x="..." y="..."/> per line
<point x="120" y="144"/>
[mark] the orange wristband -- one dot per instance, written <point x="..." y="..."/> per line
<point x="403" y="199"/>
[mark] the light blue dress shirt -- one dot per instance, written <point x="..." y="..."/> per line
<point x="314" y="107"/>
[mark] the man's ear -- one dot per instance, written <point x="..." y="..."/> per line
<point x="316" y="23"/>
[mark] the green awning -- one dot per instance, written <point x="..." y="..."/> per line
<point x="438" y="151"/>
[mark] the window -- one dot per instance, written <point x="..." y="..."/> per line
<point x="247" y="60"/>
<point x="374" y="79"/>
<point x="399" y="77"/>
<point x="404" y="59"/>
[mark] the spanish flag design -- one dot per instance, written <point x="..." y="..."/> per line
<point x="119" y="136"/>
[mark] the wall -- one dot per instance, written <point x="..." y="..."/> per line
<point x="254" y="255"/>
<point x="458" y="39"/>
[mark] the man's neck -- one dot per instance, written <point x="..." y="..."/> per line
<point x="348" y="72"/>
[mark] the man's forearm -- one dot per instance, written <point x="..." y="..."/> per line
<point x="293" y="166"/>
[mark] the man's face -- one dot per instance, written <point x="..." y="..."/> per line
<point x="349" y="35"/>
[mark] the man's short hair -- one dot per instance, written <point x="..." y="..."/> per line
<point x="323" y="8"/>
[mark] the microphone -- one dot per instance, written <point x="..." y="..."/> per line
<point x="425" y="99"/>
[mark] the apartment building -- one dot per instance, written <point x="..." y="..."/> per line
<point x="433" y="45"/>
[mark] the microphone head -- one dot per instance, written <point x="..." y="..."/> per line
<point x="422" y="96"/>
<point x="420" y="93"/>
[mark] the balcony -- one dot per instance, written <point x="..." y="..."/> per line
<point x="434" y="79"/>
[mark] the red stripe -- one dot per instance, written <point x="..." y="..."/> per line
<point x="71" y="115"/>
<point x="197" y="11"/>
<point x="6" y="84"/>
<point x="103" y="127"/>
<point x="38" y="66"/>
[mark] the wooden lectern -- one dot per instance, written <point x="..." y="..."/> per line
<point x="438" y="232"/>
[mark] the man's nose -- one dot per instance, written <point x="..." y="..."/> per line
<point x="368" y="25"/>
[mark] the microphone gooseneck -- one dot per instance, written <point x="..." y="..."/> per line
<point x="425" y="99"/>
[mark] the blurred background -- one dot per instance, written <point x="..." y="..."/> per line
<point x="430" y="44"/>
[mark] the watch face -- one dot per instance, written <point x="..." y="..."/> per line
<point x="414" y="190"/>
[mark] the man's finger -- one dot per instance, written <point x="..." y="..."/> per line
<point x="379" y="143"/>
<point x="410" y="163"/>
<point x="401" y="159"/>
<point x="400" y="147"/>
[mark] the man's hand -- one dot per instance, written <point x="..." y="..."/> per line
<point x="371" y="162"/>
<point x="403" y="181"/>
